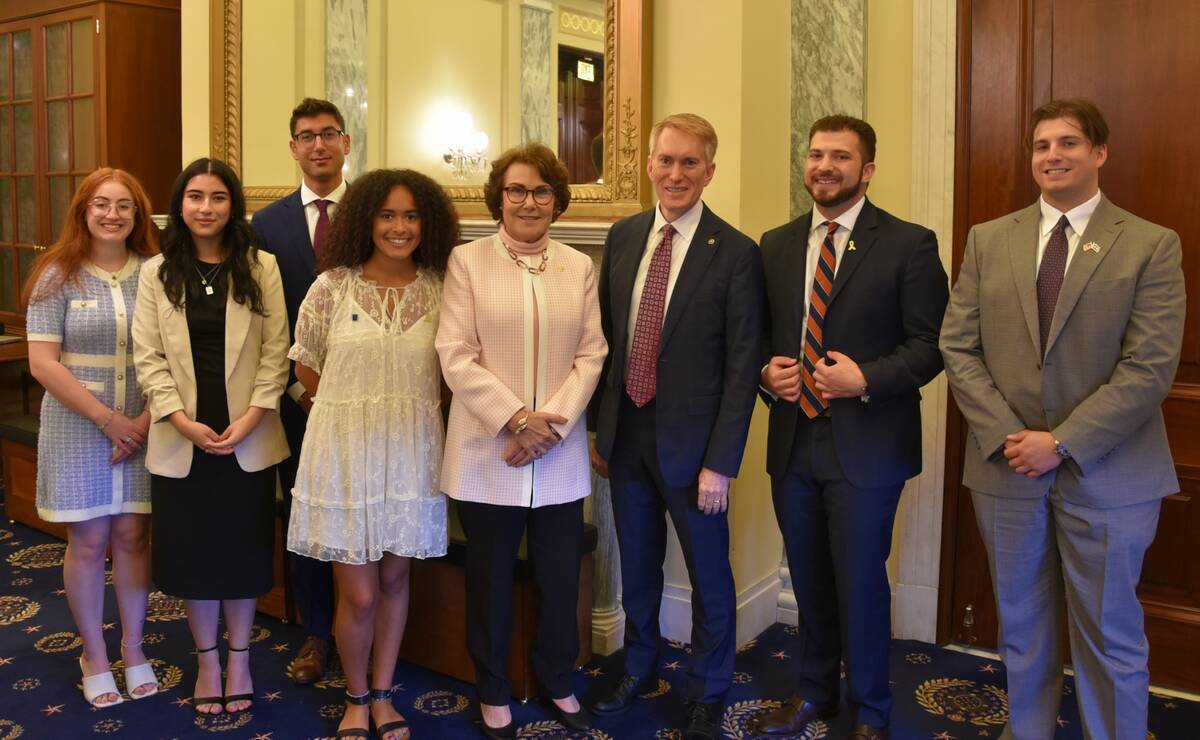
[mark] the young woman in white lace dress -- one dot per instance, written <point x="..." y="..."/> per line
<point x="366" y="494"/>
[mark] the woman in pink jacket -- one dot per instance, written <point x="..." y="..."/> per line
<point x="521" y="348"/>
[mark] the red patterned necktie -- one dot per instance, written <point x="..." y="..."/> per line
<point x="322" y="227"/>
<point x="814" y="348"/>
<point x="641" y="383"/>
<point x="1050" y="277"/>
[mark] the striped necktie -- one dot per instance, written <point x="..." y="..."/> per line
<point x="818" y="302"/>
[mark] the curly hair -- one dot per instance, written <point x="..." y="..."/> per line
<point x="237" y="239"/>
<point x="538" y="156"/>
<point x="350" y="241"/>
<point x="75" y="241"/>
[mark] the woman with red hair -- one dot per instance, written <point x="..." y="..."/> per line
<point x="91" y="471"/>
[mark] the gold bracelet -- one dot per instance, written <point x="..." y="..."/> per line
<point x="522" y="424"/>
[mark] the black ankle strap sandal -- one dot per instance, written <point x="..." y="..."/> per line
<point x="357" y="701"/>
<point x="394" y="725"/>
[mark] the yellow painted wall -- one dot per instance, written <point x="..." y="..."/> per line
<point x="465" y="75"/>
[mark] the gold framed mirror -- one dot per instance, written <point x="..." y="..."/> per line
<point x="621" y="189"/>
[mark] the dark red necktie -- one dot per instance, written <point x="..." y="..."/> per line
<point x="814" y="333"/>
<point x="641" y="383"/>
<point x="322" y="227"/>
<point x="1050" y="277"/>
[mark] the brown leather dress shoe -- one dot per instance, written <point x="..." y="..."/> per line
<point x="867" y="732"/>
<point x="795" y="715"/>
<point x="310" y="663"/>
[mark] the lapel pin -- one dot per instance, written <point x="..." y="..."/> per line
<point x="850" y="247"/>
<point x="354" y="317"/>
<point x="1091" y="247"/>
<point x="712" y="241"/>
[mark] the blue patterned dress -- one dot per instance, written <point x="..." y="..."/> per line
<point x="91" y="318"/>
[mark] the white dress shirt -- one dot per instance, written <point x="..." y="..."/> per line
<point x="309" y="199"/>
<point x="816" y="234"/>
<point x="685" y="229"/>
<point x="1078" y="218"/>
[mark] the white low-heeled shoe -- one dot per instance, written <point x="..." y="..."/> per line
<point x="97" y="686"/>
<point x="138" y="675"/>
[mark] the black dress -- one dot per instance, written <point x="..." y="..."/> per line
<point x="212" y="532"/>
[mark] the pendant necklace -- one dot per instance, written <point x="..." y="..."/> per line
<point x="206" y="278"/>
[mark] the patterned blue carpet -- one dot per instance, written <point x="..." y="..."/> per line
<point x="940" y="694"/>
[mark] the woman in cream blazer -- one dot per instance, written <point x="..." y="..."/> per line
<point x="210" y="345"/>
<point x="521" y="348"/>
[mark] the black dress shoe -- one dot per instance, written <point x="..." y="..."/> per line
<point x="793" y="717"/>
<point x="580" y="720"/>
<point x="620" y="697"/>
<point x="704" y="721"/>
<point x="867" y="732"/>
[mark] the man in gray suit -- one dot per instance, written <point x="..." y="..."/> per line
<point x="1061" y="341"/>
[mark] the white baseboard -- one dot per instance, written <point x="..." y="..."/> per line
<point x="756" y="609"/>
<point x="914" y="613"/>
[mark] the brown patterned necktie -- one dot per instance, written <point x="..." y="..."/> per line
<point x="1050" y="277"/>
<point x="641" y="383"/>
<point x="322" y="227"/>
<point x="814" y="333"/>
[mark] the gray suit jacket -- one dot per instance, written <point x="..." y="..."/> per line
<point x="1110" y="358"/>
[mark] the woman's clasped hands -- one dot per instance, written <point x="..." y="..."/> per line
<point x="531" y="436"/>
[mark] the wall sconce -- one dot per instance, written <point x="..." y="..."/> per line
<point x="464" y="147"/>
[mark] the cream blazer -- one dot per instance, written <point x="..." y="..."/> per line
<point x="256" y="369"/>
<point x="485" y="343"/>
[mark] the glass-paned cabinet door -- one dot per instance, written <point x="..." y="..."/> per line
<point x="70" y="111"/>
<point x="18" y="212"/>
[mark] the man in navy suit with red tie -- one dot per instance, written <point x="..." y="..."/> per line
<point x="681" y="306"/>
<point x="293" y="229"/>
<point x="855" y="301"/>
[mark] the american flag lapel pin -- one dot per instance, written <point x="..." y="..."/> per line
<point x="1091" y="247"/>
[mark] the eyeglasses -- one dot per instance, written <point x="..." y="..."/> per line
<point x="101" y="207"/>
<point x="542" y="195"/>
<point x="330" y="136"/>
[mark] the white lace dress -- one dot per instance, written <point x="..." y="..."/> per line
<point x="368" y="474"/>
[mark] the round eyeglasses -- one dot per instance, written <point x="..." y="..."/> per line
<point x="101" y="207"/>
<point x="542" y="195"/>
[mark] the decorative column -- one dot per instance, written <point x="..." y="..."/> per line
<point x="608" y="618"/>
<point x="828" y="51"/>
<point x="346" y="73"/>
<point x="920" y="515"/>
<point x="535" y="70"/>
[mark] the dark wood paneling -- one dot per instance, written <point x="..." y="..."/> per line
<point x="1137" y="60"/>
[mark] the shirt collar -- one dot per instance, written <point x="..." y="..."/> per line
<point x="308" y="196"/>
<point x="685" y="225"/>
<point x="846" y="220"/>
<point x="1078" y="216"/>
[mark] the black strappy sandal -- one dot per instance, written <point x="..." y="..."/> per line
<point x="357" y="701"/>
<point x="238" y="697"/>
<point x="198" y="701"/>
<point x="394" y="725"/>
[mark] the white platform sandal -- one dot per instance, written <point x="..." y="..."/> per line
<point x="138" y="675"/>
<point x="97" y="686"/>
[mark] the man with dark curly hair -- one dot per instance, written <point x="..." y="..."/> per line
<point x="293" y="229"/>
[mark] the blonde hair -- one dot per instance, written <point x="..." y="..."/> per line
<point x="688" y="123"/>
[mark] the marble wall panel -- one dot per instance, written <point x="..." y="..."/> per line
<point x="346" y="73"/>
<point x="535" y="72"/>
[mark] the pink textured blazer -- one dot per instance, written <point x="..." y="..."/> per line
<point x="486" y="345"/>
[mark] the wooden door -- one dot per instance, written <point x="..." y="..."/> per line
<point x="1137" y="59"/>
<point x="580" y="113"/>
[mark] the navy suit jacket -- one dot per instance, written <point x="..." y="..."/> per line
<point x="283" y="231"/>
<point x="885" y="313"/>
<point x="708" y="362"/>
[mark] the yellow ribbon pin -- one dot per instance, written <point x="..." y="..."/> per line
<point x="850" y="246"/>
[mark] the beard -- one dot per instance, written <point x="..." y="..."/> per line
<point x="842" y="195"/>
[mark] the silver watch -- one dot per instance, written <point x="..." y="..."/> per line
<point x="1061" y="450"/>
